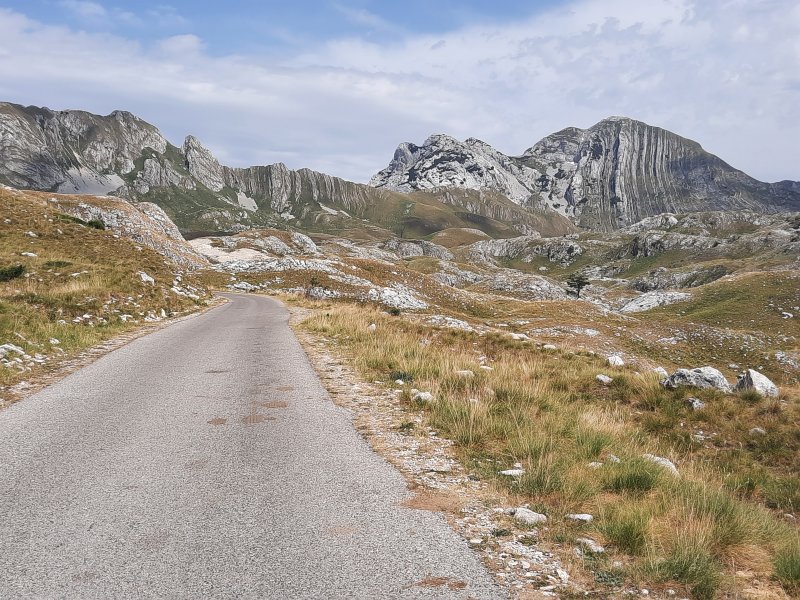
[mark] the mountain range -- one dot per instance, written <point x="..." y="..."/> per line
<point x="603" y="178"/>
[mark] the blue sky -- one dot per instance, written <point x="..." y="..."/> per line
<point x="336" y="85"/>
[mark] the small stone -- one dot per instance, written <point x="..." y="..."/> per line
<point x="757" y="431"/>
<point x="695" y="403"/>
<point x="549" y="347"/>
<point x="595" y="465"/>
<point x="528" y="517"/>
<point x="662" y="462"/>
<point x="372" y="327"/>
<point x="422" y="396"/>
<point x="464" y="373"/>
<point x="520" y="337"/>
<point x="475" y="542"/>
<point x="399" y="382"/>
<point x="616" y="360"/>
<point x="613" y="458"/>
<point x="584" y="517"/>
<point x="146" y="278"/>
<point x="29" y="254"/>
<point x="604" y="379"/>
<point x="661" y="372"/>
<point x="590" y="545"/>
<point x="487" y="368"/>
<point x="513" y="472"/>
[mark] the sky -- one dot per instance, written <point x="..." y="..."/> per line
<point x="336" y="85"/>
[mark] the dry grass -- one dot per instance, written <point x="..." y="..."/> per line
<point x="547" y="411"/>
<point x="76" y="271"/>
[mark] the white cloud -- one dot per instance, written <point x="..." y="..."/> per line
<point x="343" y="107"/>
<point x="186" y="45"/>
<point x="365" y="18"/>
<point x="84" y="8"/>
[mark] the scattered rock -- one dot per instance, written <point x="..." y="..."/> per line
<point x="703" y="377"/>
<point x="520" y="337"/>
<point x="528" y="517"/>
<point x="244" y="286"/>
<point x="418" y="396"/>
<point x="590" y="545"/>
<point x="753" y="380"/>
<point x="757" y="431"/>
<point x="604" y="379"/>
<point x="662" y="462"/>
<point x="450" y="322"/>
<point x="146" y="278"/>
<point x="584" y="517"/>
<point x="616" y="360"/>
<point x="549" y="347"/>
<point x="661" y="372"/>
<point x="513" y="472"/>
<point x="695" y="403"/>
<point x="29" y="254"/>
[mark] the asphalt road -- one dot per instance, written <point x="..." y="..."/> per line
<point x="206" y="460"/>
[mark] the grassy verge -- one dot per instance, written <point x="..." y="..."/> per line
<point x="582" y="446"/>
<point x="66" y="285"/>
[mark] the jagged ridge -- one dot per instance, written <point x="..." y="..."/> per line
<point x="605" y="177"/>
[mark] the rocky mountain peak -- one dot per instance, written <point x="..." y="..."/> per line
<point x="612" y="174"/>
<point x="202" y="165"/>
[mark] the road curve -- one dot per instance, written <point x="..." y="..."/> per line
<point x="206" y="460"/>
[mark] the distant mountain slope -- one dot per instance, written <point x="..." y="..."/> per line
<point x="78" y="152"/>
<point x="605" y="177"/>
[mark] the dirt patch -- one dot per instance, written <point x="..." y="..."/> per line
<point x="254" y="419"/>
<point x="436" y="582"/>
<point x="274" y="404"/>
<point x="218" y="371"/>
<point x="435" y="501"/>
<point x="285" y="388"/>
<point x="217" y="421"/>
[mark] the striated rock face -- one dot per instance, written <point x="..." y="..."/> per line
<point x="71" y="151"/>
<point x="611" y="175"/>
<point x="202" y="165"/>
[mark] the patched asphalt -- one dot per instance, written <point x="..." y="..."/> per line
<point x="206" y="460"/>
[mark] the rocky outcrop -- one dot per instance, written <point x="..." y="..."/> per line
<point x="412" y="248"/>
<point x="651" y="300"/>
<point x="144" y="223"/>
<point x="563" y="251"/>
<point x="609" y="176"/>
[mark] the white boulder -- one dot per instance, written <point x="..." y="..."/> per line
<point x="753" y="380"/>
<point x="528" y="517"/>
<point x="703" y="377"/>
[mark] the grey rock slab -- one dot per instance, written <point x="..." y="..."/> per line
<point x="207" y="460"/>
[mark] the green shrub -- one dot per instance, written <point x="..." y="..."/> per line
<point x="633" y="476"/>
<point x="625" y="527"/>
<point x="693" y="566"/>
<point x="11" y="272"/>
<point x="787" y="567"/>
<point x="57" y="264"/>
